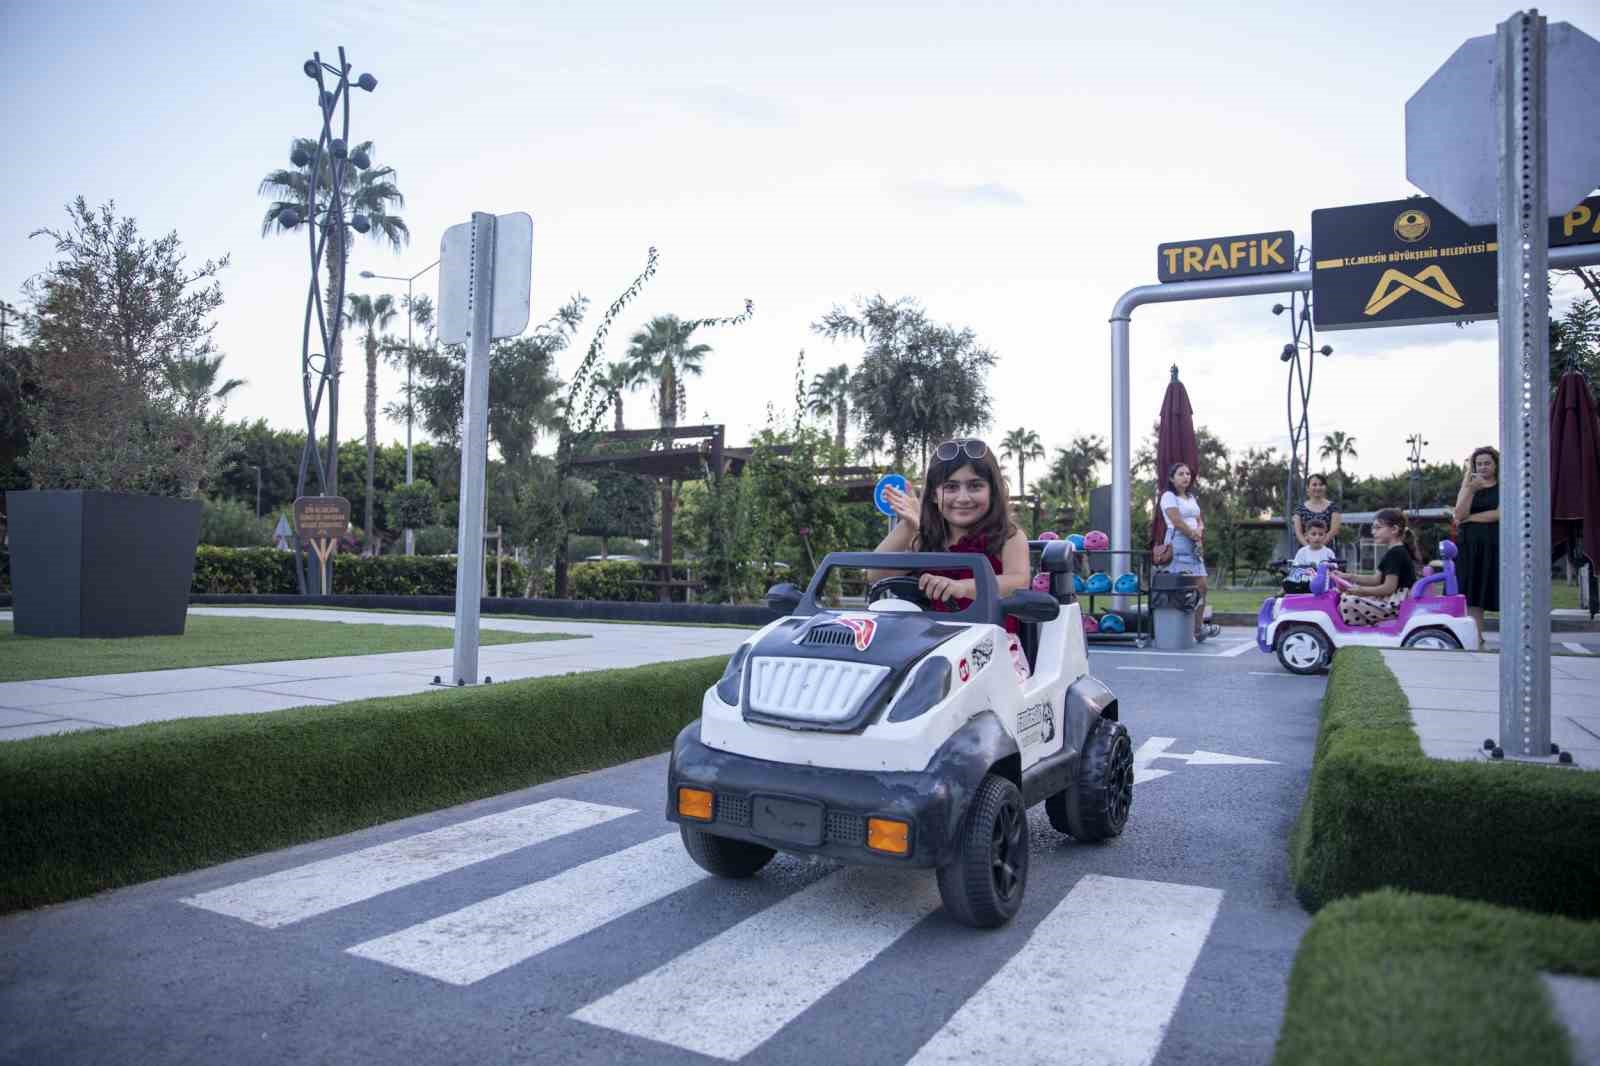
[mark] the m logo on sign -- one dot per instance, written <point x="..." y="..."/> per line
<point x="1394" y="285"/>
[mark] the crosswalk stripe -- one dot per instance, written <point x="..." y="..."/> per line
<point x="1574" y="647"/>
<point x="1098" y="981"/>
<point x="293" y="895"/>
<point x="497" y="933"/>
<point x="733" y="992"/>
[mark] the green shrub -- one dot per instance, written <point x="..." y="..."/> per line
<point x="84" y="812"/>
<point x="436" y="540"/>
<point x="607" y="581"/>
<point x="233" y="524"/>
<point x="413" y="506"/>
<point x="1380" y="813"/>
<point x="268" y="570"/>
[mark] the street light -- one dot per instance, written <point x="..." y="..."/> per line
<point x="257" y="469"/>
<point x="410" y="535"/>
<point x="1415" y="459"/>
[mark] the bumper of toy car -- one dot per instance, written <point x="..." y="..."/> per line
<point x="814" y="810"/>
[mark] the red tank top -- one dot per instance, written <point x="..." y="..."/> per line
<point x="975" y="544"/>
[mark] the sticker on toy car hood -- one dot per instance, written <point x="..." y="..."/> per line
<point x="863" y="628"/>
<point x="981" y="653"/>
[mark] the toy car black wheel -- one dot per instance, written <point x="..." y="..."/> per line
<point x="1434" y="639"/>
<point x="1096" y="806"/>
<point x="983" y="887"/>
<point x="723" y="856"/>
<point x="1303" y="649"/>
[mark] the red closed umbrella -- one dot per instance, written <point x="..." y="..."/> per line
<point x="1175" y="443"/>
<point x="1575" y="467"/>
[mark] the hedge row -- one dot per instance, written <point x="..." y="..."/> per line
<point x="1407" y="980"/>
<point x="1380" y="813"/>
<point x="84" y="812"/>
<point x="617" y="581"/>
<point x="268" y="570"/>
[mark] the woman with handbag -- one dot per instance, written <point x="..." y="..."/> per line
<point x="1181" y="551"/>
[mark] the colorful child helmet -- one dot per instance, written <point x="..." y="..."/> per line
<point x="1040" y="583"/>
<point x="1096" y="541"/>
<point x="1111" y="622"/>
<point x="1049" y="534"/>
<point x="1077" y="583"/>
<point x="1090" y="625"/>
<point x="1076" y="539"/>
<point x="1098" y="582"/>
<point x="1126" y="584"/>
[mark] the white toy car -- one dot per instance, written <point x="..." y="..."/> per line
<point x="901" y="736"/>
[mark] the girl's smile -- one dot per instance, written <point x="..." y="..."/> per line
<point x="964" y="498"/>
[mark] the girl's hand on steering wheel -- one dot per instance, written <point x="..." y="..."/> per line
<point x="938" y="588"/>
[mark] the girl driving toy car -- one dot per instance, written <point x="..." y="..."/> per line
<point x="962" y="508"/>
<point x="1366" y="601"/>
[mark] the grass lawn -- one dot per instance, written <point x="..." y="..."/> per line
<point x="486" y="616"/>
<point x="1429" y="981"/>
<point x="212" y="641"/>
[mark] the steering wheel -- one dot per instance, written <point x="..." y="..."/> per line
<point x="900" y="587"/>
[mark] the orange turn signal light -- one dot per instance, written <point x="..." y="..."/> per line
<point x="694" y="803"/>
<point x="890" y="836"/>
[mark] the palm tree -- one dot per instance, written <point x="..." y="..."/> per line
<point x="1337" y="445"/>
<point x="1022" y="444"/>
<point x="618" y="378"/>
<point x="659" y="353"/>
<point x="372" y="314"/>
<point x="830" y="395"/>
<point x="369" y="193"/>
<point x="193" y="381"/>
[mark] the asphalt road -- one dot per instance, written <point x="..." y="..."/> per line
<point x="564" y="924"/>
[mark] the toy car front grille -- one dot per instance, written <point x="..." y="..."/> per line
<point x="733" y="810"/>
<point x="833" y="635"/>
<point x="846" y="828"/>
<point x="811" y="690"/>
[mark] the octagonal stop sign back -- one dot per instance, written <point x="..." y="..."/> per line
<point x="1451" y="140"/>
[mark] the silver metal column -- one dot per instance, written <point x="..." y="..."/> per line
<point x="474" y="450"/>
<point x="1121" y="415"/>
<point x="1520" y="95"/>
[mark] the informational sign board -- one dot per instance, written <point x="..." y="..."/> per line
<point x="513" y="278"/>
<point x="1408" y="262"/>
<point x="1223" y="257"/>
<point x="321" y="517"/>
<point x="887" y="481"/>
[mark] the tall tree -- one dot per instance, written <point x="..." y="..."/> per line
<point x="918" y="382"/>
<point x="830" y="395"/>
<point x="618" y="379"/>
<point x="1337" y="445"/>
<point x="660" y="353"/>
<point x="373" y="314"/>
<point x="202" y="439"/>
<point x="1022" y="444"/>
<point x="371" y="193"/>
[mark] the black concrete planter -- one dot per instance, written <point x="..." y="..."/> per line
<point x="100" y="564"/>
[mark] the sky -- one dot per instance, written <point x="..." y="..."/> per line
<point x="1012" y="166"/>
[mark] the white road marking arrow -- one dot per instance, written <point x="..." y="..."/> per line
<point x="1156" y="748"/>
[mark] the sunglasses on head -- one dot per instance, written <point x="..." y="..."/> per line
<point x="972" y="448"/>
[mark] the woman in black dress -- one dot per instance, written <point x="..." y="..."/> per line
<point x="1478" y="518"/>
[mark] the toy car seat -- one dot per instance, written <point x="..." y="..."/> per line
<point x="1111" y="622"/>
<point x="1126" y="584"/>
<point x="1098" y="582"/>
<point x="1096" y="541"/>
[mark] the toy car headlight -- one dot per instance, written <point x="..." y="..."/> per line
<point x="929" y="687"/>
<point x="728" y="687"/>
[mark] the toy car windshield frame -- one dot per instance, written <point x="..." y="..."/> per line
<point x="985" y="607"/>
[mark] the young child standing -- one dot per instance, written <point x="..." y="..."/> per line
<point x="962" y="508"/>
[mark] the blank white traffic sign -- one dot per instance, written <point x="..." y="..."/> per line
<point x="513" y="278"/>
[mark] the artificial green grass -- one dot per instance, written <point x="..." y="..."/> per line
<point x="1378" y="812"/>
<point x="1409" y="980"/>
<point x="84" y="812"/>
<point x="211" y="641"/>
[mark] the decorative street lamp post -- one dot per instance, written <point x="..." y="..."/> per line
<point x="1300" y="353"/>
<point x="1415" y="459"/>
<point x="325" y="168"/>
<point x="410" y="395"/>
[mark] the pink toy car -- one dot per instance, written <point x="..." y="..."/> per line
<point x="1305" y="630"/>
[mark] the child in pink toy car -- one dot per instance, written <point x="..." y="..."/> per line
<point x="1366" y="601"/>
